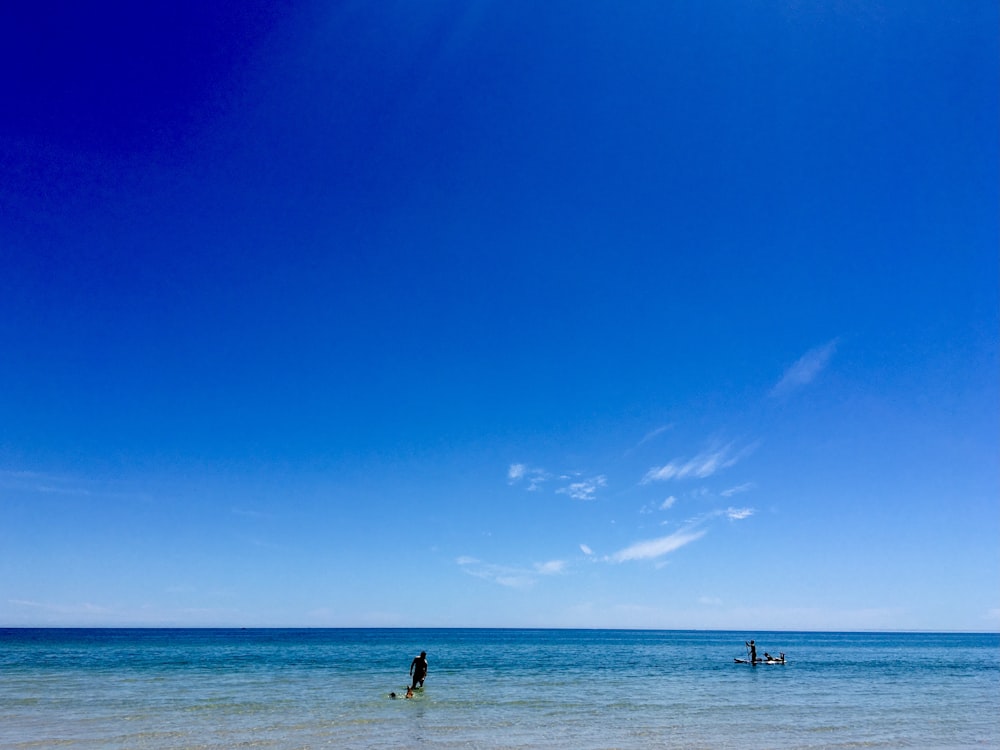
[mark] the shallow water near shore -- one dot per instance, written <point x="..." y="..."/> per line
<point x="284" y="689"/>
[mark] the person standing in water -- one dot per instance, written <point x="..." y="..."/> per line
<point x="418" y="669"/>
<point x="753" y="651"/>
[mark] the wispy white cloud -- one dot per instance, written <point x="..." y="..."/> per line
<point x="522" y="473"/>
<point x="500" y="574"/>
<point x="70" y="486"/>
<point x="693" y="530"/>
<point x="551" y="567"/>
<point x="733" y="514"/>
<point x="584" y="490"/>
<point x="806" y="369"/>
<point x="702" y="466"/>
<point x="653" y="548"/>
<point x="586" y="550"/>
<point x="654" y="507"/>
<point x="745" y="487"/>
<point x="649" y="436"/>
<point x="509" y="575"/>
<point x="655" y="433"/>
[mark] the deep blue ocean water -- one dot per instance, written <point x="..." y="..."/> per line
<point x="567" y="689"/>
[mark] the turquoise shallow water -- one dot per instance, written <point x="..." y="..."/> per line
<point x="286" y="689"/>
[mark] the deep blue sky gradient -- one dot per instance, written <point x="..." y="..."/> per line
<point x="288" y="290"/>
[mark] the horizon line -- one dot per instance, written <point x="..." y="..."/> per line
<point x="862" y="631"/>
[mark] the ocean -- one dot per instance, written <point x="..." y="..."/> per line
<point x="562" y="689"/>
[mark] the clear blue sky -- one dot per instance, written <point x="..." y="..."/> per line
<point x="594" y="314"/>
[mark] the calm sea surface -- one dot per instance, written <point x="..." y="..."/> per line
<point x="495" y="689"/>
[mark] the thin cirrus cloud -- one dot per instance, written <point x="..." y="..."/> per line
<point x="651" y="435"/>
<point x="507" y="575"/>
<point x="662" y="505"/>
<point x="806" y="369"/>
<point x="585" y="490"/>
<point x="527" y="475"/>
<point x="532" y="479"/>
<point x="703" y="465"/>
<point x="650" y="549"/>
<point x="552" y="567"/>
<point x="69" y="486"/>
